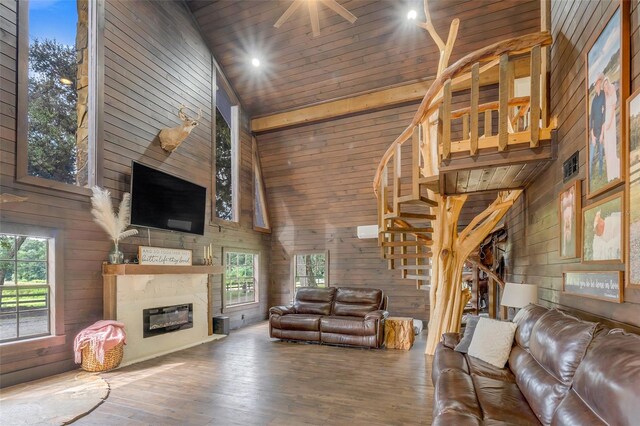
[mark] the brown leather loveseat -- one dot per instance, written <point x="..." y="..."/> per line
<point x="561" y="371"/>
<point x="338" y="316"/>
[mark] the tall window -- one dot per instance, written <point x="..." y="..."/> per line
<point x="311" y="270"/>
<point x="240" y="278"/>
<point x="25" y="292"/>
<point x="260" y="215"/>
<point x="226" y="156"/>
<point x="55" y="108"/>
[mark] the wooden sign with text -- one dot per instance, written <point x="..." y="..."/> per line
<point x="597" y="285"/>
<point x="164" y="256"/>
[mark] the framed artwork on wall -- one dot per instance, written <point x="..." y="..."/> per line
<point x="633" y="191"/>
<point x="569" y="219"/>
<point x="607" y="87"/>
<point x="602" y="231"/>
<point x="602" y="285"/>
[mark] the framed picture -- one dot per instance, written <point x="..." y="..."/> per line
<point x="607" y="88"/>
<point x="602" y="231"/>
<point x="569" y="219"/>
<point x="602" y="285"/>
<point x="633" y="191"/>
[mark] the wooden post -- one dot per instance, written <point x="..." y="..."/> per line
<point x="545" y="25"/>
<point x="446" y="120"/>
<point x="382" y="205"/>
<point x="397" y="174"/>
<point x="503" y="112"/>
<point x="403" y="251"/>
<point x="475" y="289"/>
<point x="488" y="124"/>
<point x="465" y="126"/>
<point x="492" y="298"/>
<point x="534" y="113"/>
<point x="415" y="163"/>
<point x="475" y="96"/>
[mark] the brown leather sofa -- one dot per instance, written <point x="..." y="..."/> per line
<point x="337" y="316"/>
<point x="561" y="371"/>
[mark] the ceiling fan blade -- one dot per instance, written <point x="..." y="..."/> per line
<point x="313" y="15"/>
<point x="287" y="13"/>
<point x="340" y="10"/>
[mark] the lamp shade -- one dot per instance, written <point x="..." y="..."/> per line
<point x="519" y="295"/>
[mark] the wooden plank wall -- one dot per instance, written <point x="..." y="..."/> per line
<point x="155" y="59"/>
<point x="318" y="180"/>
<point x="533" y="255"/>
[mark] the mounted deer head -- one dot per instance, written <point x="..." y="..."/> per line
<point x="172" y="137"/>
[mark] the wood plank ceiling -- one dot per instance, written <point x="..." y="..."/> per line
<point x="381" y="49"/>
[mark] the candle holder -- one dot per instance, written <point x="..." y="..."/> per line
<point x="208" y="255"/>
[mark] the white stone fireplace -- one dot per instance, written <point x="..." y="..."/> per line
<point x="130" y="289"/>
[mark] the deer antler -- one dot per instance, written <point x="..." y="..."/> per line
<point x="199" y="115"/>
<point x="181" y="114"/>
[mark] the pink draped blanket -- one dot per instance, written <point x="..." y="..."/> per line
<point x="100" y="337"/>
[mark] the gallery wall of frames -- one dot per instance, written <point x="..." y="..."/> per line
<point x="578" y="237"/>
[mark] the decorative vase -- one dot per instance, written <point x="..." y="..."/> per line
<point x="116" y="256"/>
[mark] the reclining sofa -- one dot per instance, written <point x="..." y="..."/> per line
<point x="561" y="371"/>
<point x="337" y="316"/>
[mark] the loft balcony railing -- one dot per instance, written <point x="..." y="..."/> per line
<point x="519" y="117"/>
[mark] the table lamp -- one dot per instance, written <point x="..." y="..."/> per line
<point x="519" y="295"/>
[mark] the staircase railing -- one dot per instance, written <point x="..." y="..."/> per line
<point x="437" y="131"/>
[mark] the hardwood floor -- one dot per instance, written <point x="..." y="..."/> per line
<point x="249" y="379"/>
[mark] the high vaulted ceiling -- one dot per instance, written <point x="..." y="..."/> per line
<point x="381" y="49"/>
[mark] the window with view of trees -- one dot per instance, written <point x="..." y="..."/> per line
<point x="240" y="278"/>
<point x="25" y="292"/>
<point x="226" y="144"/>
<point x="311" y="270"/>
<point x="260" y="216"/>
<point x="55" y="118"/>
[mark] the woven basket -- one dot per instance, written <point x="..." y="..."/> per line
<point x="112" y="359"/>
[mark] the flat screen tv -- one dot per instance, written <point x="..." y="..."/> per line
<point x="160" y="200"/>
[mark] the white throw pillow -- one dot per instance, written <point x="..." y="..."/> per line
<point x="492" y="341"/>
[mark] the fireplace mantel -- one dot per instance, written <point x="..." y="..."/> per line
<point x="129" y="289"/>
<point x="135" y="269"/>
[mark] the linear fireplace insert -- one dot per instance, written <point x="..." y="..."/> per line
<point x="166" y="319"/>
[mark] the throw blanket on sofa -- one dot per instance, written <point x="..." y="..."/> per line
<point x="100" y="337"/>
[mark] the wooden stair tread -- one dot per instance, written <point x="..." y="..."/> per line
<point x="406" y="243"/>
<point x="408" y="255"/>
<point x="410" y="230"/>
<point x="410" y="216"/>
<point x="418" y="277"/>
<point x="409" y="199"/>
<point x="429" y="179"/>
<point x="413" y="267"/>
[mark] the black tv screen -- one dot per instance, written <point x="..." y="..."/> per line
<point x="159" y="200"/>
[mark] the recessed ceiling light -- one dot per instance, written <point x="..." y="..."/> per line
<point x="255" y="62"/>
<point x="66" y="81"/>
<point x="412" y="15"/>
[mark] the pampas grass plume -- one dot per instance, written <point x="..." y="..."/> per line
<point x="114" y="225"/>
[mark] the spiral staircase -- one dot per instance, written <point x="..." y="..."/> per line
<point x="482" y="126"/>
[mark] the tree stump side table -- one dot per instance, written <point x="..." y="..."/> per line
<point x="398" y="333"/>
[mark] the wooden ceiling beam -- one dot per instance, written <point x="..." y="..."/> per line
<point x="384" y="98"/>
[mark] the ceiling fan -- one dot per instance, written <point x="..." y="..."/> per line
<point x="313" y="13"/>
